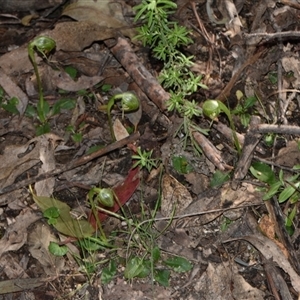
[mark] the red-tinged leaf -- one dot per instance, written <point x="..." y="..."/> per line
<point x="123" y="192"/>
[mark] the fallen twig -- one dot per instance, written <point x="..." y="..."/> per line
<point x="126" y="56"/>
<point x="74" y="164"/>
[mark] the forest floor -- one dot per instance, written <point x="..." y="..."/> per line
<point x="213" y="225"/>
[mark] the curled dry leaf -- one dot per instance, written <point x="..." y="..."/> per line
<point x="19" y="159"/>
<point x="174" y="196"/>
<point x="38" y="242"/>
<point x="16" y="233"/>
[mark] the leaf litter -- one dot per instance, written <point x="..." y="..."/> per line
<point x="221" y="261"/>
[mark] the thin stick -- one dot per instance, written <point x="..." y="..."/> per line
<point x="79" y="162"/>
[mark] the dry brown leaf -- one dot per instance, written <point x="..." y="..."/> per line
<point x="10" y="264"/>
<point x="119" y="130"/>
<point x="267" y="227"/>
<point x="106" y="13"/>
<point x="46" y="155"/>
<point x="38" y="242"/>
<point x="174" y="196"/>
<point x="222" y="281"/>
<point x="16" y="233"/>
<point x="19" y="159"/>
<point x="272" y="252"/>
<point x="135" y="117"/>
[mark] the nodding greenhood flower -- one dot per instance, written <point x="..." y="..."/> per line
<point x="211" y="109"/>
<point x="43" y="44"/>
<point x="129" y="101"/>
<point x="105" y="196"/>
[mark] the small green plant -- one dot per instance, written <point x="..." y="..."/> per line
<point x="284" y="189"/>
<point x="181" y="164"/>
<point x="212" y="109"/>
<point x="76" y="135"/>
<point x="43" y="45"/>
<point x="51" y="213"/>
<point x="10" y="105"/>
<point x="165" y="38"/>
<point x="129" y="103"/>
<point x="57" y="250"/>
<point x="107" y="198"/>
<point x="243" y="108"/>
<point x="144" y="159"/>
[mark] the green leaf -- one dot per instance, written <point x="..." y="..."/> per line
<point x="155" y="254"/>
<point x="43" y="110"/>
<point x="263" y="172"/>
<point x="273" y="77"/>
<point x="30" y="111"/>
<point x="273" y="190"/>
<point x="63" y="104"/>
<point x="269" y="139"/>
<point x="162" y="277"/>
<point x="291" y="217"/>
<point x="51" y="212"/>
<point x="106" y="88"/>
<point x="71" y="71"/>
<point x="65" y="223"/>
<point x="11" y="106"/>
<point x="219" y="178"/>
<point x="245" y="119"/>
<point x="57" y="250"/>
<point x="289" y="221"/>
<point x="294" y="198"/>
<point x="179" y="264"/>
<point x="136" y="267"/>
<point x="287" y="193"/>
<point x="42" y="129"/>
<point x="181" y="164"/>
<point x="281" y="177"/>
<point x="95" y="148"/>
<point x="109" y="272"/>
<point x="92" y="244"/>
<point x="250" y="101"/>
<point x="77" y="137"/>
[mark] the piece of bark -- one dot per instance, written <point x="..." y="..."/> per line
<point x="144" y="79"/>
<point x="211" y="152"/>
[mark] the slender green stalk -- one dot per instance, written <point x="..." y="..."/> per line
<point x="129" y="103"/>
<point x="43" y="45"/>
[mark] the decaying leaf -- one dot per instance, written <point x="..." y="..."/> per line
<point x="119" y="130"/>
<point x="19" y="159"/>
<point x="65" y="223"/>
<point x="174" y="196"/>
<point x="105" y="13"/>
<point x="46" y="155"/>
<point x="38" y="242"/>
<point x="222" y="281"/>
<point x="16" y="233"/>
